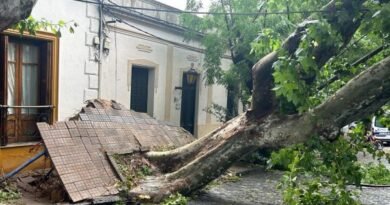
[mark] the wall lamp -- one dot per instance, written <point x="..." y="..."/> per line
<point x="191" y="75"/>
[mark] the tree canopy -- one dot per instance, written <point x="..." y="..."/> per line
<point x="249" y="30"/>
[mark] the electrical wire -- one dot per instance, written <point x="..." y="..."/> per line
<point x="212" y="13"/>
<point x="141" y="30"/>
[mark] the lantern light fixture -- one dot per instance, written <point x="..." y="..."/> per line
<point x="192" y="75"/>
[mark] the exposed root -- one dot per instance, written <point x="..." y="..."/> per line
<point x="155" y="189"/>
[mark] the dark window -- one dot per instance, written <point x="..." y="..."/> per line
<point x="139" y="89"/>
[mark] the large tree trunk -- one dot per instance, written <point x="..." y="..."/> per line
<point x="12" y="11"/>
<point x="193" y="166"/>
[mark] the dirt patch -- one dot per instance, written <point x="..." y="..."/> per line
<point x="42" y="184"/>
<point x="132" y="168"/>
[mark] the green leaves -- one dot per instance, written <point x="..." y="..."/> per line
<point x="377" y="21"/>
<point x="8" y="193"/>
<point x="376" y="174"/>
<point x="267" y="41"/>
<point x="315" y="77"/>
<point x="31" y="25"/>
<point x="319" y="172"/>
<point x="175" y="199"/>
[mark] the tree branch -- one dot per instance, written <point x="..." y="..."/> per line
<point x="368" y="56"/>
<point x="262" y="5"/>
<point x="263" y="97"/>
<point x="229" y="29"/>
<point x="12" y="11"/>
<point x="357" y="62"/>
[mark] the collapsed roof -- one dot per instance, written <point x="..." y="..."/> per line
<point x="78" y="147"/>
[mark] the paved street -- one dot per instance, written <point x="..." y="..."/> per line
<point x="258" y="187"/>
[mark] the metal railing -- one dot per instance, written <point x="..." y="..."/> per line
<point x="18" y="122"/>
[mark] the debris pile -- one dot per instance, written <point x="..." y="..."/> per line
<point x="43" y="184"/>
<point x="79" y="148"/>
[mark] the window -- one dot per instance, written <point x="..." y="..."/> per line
<point x="28" y="92"/>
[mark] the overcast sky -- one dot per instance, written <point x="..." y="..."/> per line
<point x="181" y="4"/>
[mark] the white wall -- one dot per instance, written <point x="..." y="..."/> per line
<point x="78" y="70"/>
<point x="74" y="53"/>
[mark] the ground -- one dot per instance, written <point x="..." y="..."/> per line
<point x="255" y="186"/>
<point x="258" y="187"/>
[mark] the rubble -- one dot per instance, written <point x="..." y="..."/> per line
<point x="79" y="148"/>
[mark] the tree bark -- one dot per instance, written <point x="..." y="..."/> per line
<point x="12" y="11"/>
<point x="210" y="156"/>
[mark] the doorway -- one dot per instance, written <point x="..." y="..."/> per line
<point x="188" y="102"/>
<point x="139" y="89"/>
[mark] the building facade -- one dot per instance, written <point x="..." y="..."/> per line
<point x="136" y="57"/>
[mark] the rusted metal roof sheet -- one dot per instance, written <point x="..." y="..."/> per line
<point x="78" y="148"/>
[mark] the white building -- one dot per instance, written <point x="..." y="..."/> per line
<point x="143" y="65"/>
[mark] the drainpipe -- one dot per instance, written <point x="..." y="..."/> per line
<point x="101" y="36"/>
<point x="22" y="166"/>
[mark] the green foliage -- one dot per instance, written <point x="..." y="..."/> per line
<point x="220" y="112"/>
<point x="121" y="202"/>
<point x="384" y="116"/>
<point x="133" y="168"/>
<point x="244" y="38"/>
<point x="376" y="174"/>
<point x="303" y="80"/>
<point x="31" y="25"/>
<point x="268" y="40"/>
<point x="319" y="171"/>
<point x="8" y="193"/>
<point x="145" y="170"/>
<point x="175" y="199"/>
<point x="283" y="158"/>
<point x="213" y="54"/>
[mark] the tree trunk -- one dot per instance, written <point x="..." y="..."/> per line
<point x="12" y="11"/>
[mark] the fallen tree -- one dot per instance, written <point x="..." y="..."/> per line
<point x="207" y="158"/>
<point x="191" y="167"/>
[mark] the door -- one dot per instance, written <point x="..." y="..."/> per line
<point x="187" y="116"/>
<point x="139" y="89"/>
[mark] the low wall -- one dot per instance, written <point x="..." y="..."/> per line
<point x="12" y="156"/>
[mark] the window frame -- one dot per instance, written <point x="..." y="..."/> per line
<point x="53" y="71"/>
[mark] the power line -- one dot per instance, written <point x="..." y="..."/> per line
<point x="143" y="31"/>
<point x="212" y="13"/>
